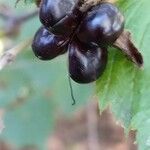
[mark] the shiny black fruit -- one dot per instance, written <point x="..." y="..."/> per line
<point x="47" y="46"/>
<point x="102" y="25"/>
<point x="86" y="63"/>
<point x="60" y="16"/>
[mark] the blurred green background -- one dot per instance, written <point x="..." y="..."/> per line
<point x="34" y="92"/>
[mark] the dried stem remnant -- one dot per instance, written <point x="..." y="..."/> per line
<point x="11" y="54"/>
<point x="86" y="4"/>
<point x="13" y="21"/>
<point x="124" y="42"/>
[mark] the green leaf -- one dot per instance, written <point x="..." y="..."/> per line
<point x="124" y="86"/>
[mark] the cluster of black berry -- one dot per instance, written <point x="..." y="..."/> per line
<point x="85" y="35"/>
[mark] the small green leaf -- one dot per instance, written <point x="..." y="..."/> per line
<point x="124" y="86"/>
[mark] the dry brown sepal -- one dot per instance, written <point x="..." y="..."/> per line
<point x="127" y="46"/>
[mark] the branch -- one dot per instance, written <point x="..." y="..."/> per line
<point x="10" y="55"/>
<point x="13" y="23"/>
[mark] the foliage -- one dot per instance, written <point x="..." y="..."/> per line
<point x="124" y="86"/>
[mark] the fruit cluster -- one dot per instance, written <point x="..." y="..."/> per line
<point x="85" y="35"/>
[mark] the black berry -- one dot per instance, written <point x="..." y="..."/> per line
<point x="60" y="16"/>
<point x="103" y="24"/>
<point x="47" y="46"/>
<point x="86" y="35"/>
<point x="86" y="63"/>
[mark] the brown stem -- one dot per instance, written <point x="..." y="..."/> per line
<point x="11" y="54"/>
<point x="86" y="4"/>
<point x="13" y="23"/>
